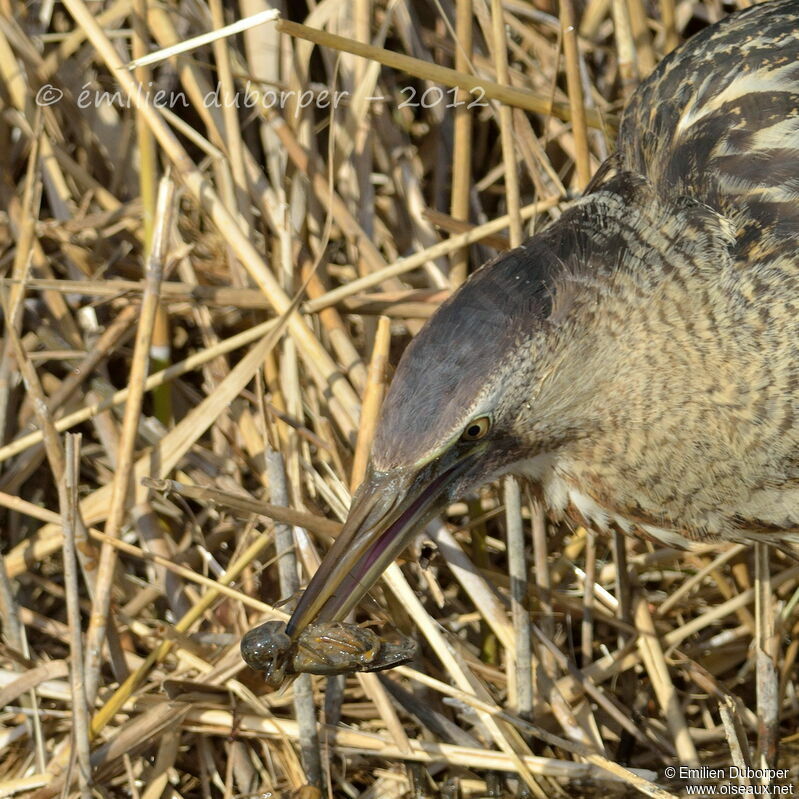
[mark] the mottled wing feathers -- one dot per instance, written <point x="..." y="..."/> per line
<point x="718" y="120"/>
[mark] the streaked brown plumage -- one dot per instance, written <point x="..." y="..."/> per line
<point x="639" y="359"/>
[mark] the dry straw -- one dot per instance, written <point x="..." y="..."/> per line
<point x="222" y="348"/>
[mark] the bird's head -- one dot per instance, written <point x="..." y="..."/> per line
<point x="527" y="358"/>
<point x="459" y="412"/>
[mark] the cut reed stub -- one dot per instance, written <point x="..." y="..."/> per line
<point x="326" y="648"/>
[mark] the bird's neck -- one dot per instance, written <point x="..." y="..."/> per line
<point x="627" y="352"/>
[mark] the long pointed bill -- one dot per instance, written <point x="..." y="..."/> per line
<point x="386" y="510"/>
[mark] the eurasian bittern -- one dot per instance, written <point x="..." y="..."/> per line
<point x="638" y="360"/>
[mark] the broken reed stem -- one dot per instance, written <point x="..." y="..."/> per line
<point x="80" y="707"/>
<point x="195" y="42"/>
<point x="246" y="506"/>
<point x="148" y="173"/>
<point x="98" y="621"/>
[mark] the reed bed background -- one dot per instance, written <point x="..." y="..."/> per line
<point x="211" y="262"/>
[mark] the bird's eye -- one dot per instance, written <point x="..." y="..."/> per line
<point x="476" y="429"/>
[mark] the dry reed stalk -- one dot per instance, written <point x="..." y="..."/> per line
<point x="507" y="740"/>
<point x="80" y="706"/>
<point x="122" y="694"/>
<point x="174" y="291"/>
<point x="587" y="625"/>
<point x="642" y="38"/>
<point x="462" y="146"/>
<point x="96" y="633"/>
<point x="372" y="400"/>
<point x="522" y="697"/>
<point x="506" y="125"/>
<point x="625" y="45"/>
<point x="543" y="585"/>
<point x="340" y="339"/>
<point x="367" y="743"/>
<point x="668" y="19"/>
<point x="289" y="584"/>
<point x="476" y="586"/>
<point x="206" y="38"/>
<point x="237" y="200"/>
<point x="204" y="193"/>
<point x="593" y="15"/>
<point x="416" y="260"/>
<point x="237" y="378"/>
<point x="247" y="507"/>
<point x="373" y="397"/>
<point x="509" y="95"/>
<point x="765" y="664"/>
<point x="160" y="378"/>
<point x="571" y="57"/>
<point x="655" y="663"/>
<point x="188" y="574"/>
<point x="25" y="242"/>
